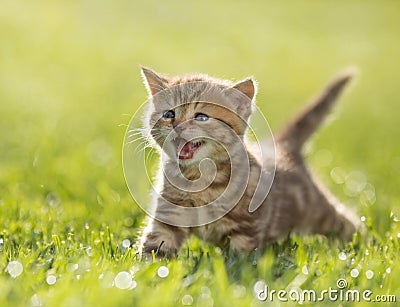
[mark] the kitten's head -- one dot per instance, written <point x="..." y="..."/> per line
<point x="196" y="116"/>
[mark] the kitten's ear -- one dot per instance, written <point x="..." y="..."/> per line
<point x="241" y="96"/>
<point x="247" y="87"/>
<point x="153" y="82"/>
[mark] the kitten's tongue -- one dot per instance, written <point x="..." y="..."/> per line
<point x="186" y="152"/>
<point x="184" y="148"/>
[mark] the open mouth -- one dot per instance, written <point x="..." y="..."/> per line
<point x="185" y="149"/>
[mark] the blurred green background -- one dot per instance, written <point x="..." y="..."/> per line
<point x="70" y="81"/>
<point x="70" y="77"/>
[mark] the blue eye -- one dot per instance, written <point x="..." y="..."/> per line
<point x="201" y="117"/>
<point x="169" y="114"/>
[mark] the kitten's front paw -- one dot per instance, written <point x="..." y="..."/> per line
<point x="152" y="244"/>
<point x="161" y="240"/>
<point x="146" y="251"/>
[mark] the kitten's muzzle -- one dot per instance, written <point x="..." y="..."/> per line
<point x="185" y="149"/>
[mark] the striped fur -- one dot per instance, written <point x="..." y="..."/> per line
<point x="296" y="201"/>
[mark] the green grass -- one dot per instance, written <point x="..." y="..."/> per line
<point x="69" y="82"/>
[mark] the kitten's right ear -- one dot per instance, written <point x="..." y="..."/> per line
<point x="153" y="82"/>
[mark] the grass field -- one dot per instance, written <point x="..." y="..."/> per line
<point x="69" y="84"/>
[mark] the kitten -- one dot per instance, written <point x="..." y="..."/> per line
<point x="196" y="117"/>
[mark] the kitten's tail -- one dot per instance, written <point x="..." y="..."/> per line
<point x="301" y="127"/>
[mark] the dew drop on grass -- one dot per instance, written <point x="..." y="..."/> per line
<point x="218" y="250"/>
<point x="15" y="268"/>
<point x="362" y="218"/>
<point x="395" y="216"/>
<point x="354" y="273"/>
<point x="388" y="270"/>
<point x="126" y="244"/>
<point x="369" y="274"/>
<point x="187" y="300"/>
<point x="123" y="280"/>
<point x="342" y="256"/>
<point x="89" y="251"/>
<point x="398" y="234"/>
<point x="162" y="271"/>
<point x="304" y="270"/>
<point x="51" y="280"/>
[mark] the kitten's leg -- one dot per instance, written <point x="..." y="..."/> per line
<point x="164" y="239"/>
<point x="336" y="219"/>
<point x="243" y="242"/>
<point x="307" y="207"/>
<point x="329" y="216"/>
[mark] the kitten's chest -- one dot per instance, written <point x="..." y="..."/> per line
<point x="192" y="196"/>
<point x="215" y="232"/>
<point x="192" y="199"/>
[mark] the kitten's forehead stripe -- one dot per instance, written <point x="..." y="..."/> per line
<point x="191" y="92"/>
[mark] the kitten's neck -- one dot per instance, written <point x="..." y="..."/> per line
<point x="193" y="171"/>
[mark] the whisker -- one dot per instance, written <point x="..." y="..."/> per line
<point x="136" y="134"/>
<point x="139" y="138"/>
<point x="136" y="130"/>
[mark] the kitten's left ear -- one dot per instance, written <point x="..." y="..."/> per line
<point x="153" y="82"/>
<point x="241" y="95"/>
<point x="247" y="87"/>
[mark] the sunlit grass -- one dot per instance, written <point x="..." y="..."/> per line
<point x="69" y="84"/>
